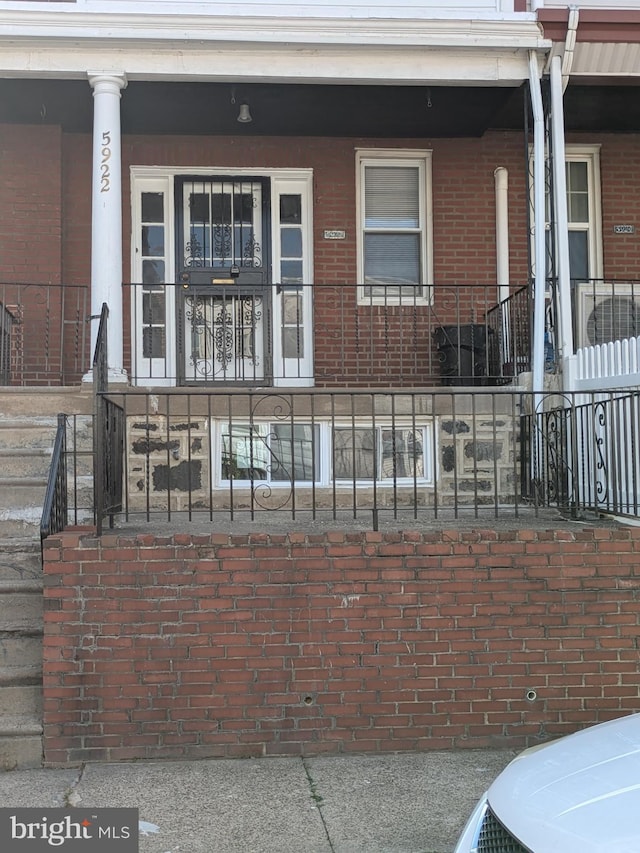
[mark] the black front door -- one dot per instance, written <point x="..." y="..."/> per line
<point x="224" y="302"/>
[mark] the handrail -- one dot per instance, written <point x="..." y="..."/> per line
<point x="56" y="502"/>
<point x="108" y="435"/>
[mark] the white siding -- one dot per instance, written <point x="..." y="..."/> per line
<point x="419" y="9"/>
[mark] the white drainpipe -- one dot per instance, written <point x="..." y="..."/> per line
<point x="564" y="331"/>
<point x="501" y="176"/>
<point x="537" y="356"/>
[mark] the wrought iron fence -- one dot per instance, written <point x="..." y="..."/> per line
<point x="108" y="435"/>
<point x="55" y="510"/>
<point x="363" y="458"/>
<point x="509" y="337"/>
<point x="327" y="334"/>
<point x="583" y="451"/>
<point x="318" y="454"/>
<point x="44" y="334"/>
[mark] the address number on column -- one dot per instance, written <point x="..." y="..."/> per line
<point x="105" y="168"/>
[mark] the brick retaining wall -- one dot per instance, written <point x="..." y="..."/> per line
<point x="243" y="645"/>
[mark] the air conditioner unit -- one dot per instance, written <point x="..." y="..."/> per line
<point x="606" y="311"/>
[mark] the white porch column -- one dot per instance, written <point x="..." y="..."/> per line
<point x="106" y="217"/>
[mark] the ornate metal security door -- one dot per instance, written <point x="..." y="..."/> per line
<point x="224" y="304"/>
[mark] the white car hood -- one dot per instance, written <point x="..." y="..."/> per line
<point x="579" y="794"/>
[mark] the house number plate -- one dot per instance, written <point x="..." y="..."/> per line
<point x="624" y="229"/>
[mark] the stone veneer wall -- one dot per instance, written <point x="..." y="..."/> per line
<point x="473" y="459"/>
<point x="333" y="642"/>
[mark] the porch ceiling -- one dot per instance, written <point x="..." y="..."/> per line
<point x="277" y="110"/>
<point x="313" y="110"/>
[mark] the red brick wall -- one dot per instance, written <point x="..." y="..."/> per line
<point x="31" y="230"/>
<point x="45" y="218"/>
<point x="40" y="170"/>
<point x="620" y="159"/>
<point x="217" y="645"/>
<point x="30" y="204"/>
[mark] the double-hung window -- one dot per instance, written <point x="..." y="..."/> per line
<point x="394" y="215"/>
<point x="583" y="212"/>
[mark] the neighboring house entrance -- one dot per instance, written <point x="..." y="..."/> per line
<point x="222" y="265"/>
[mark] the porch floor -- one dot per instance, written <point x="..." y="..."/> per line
<point x="280" y="524"/>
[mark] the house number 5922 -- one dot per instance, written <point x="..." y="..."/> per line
<point x="105" y="170"/>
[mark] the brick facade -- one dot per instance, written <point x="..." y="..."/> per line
<point x="45" y="210"/>
<point x="336" y="642"/>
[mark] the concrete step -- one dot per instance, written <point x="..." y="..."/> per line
<point x="20" y="742"/>
<point x="19" y="522"/>
<point x="29" y="434"/>
<point x="41" y="402"/>
<point x="20" y="658"/>
<point x="16" y="463"/>
<point x="19" y="671"/>
<point x="27" y="493"/>
<point x="17" y="700"/>
<point x="20" y="558"/>
<point x="21" y="607"/>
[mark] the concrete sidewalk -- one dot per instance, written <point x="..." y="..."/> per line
<point x="407" y="803"/>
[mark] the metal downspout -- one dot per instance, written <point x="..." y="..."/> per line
<point x="537" y="357"/>
<point x="501" y="176"/>
<point x="565" y="336"/>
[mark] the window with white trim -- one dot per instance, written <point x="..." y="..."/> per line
<point x="381" y="453"/>
<point x="584" y="216"/>
<point x="270" y="452"/>
<point x="281" y="453"/>
<point x="394" y="225"/>
<point x="583" y="212"/>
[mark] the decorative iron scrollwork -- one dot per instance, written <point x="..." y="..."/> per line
<point x="223" y="333"/>
<point x="262" y="493"/>
<point x="193" y="252"/>
<point x="252" y="252"/>
<point x="222" y="242"/>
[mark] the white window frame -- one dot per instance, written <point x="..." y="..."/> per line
<point x="426" y="427"/>
<point x="283" y="180"/>
<point x="590" y="154"/>
<point x="397" y="157"/>
<point x="157" y="369"/>
<point x="324" y="471"/>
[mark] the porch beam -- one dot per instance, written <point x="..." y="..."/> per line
<point x="423" y="26"/>
<point x="413" y="65"/>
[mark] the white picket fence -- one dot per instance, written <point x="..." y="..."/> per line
<point x="608" y="366"/>
<point x="606" y="465"/>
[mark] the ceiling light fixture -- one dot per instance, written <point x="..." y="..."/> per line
<point x="244" y="114"/>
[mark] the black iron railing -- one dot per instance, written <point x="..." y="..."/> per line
<point x="108" y="435"/>
<point x="322" y="334"/>
<point x="583" y="453"/>
<point x="328" y="334"/>
<point x="509" y="337"/>
<point x="273" y="459"/>
<point x="55" y="510"/>
<point x="44" y="334"/>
